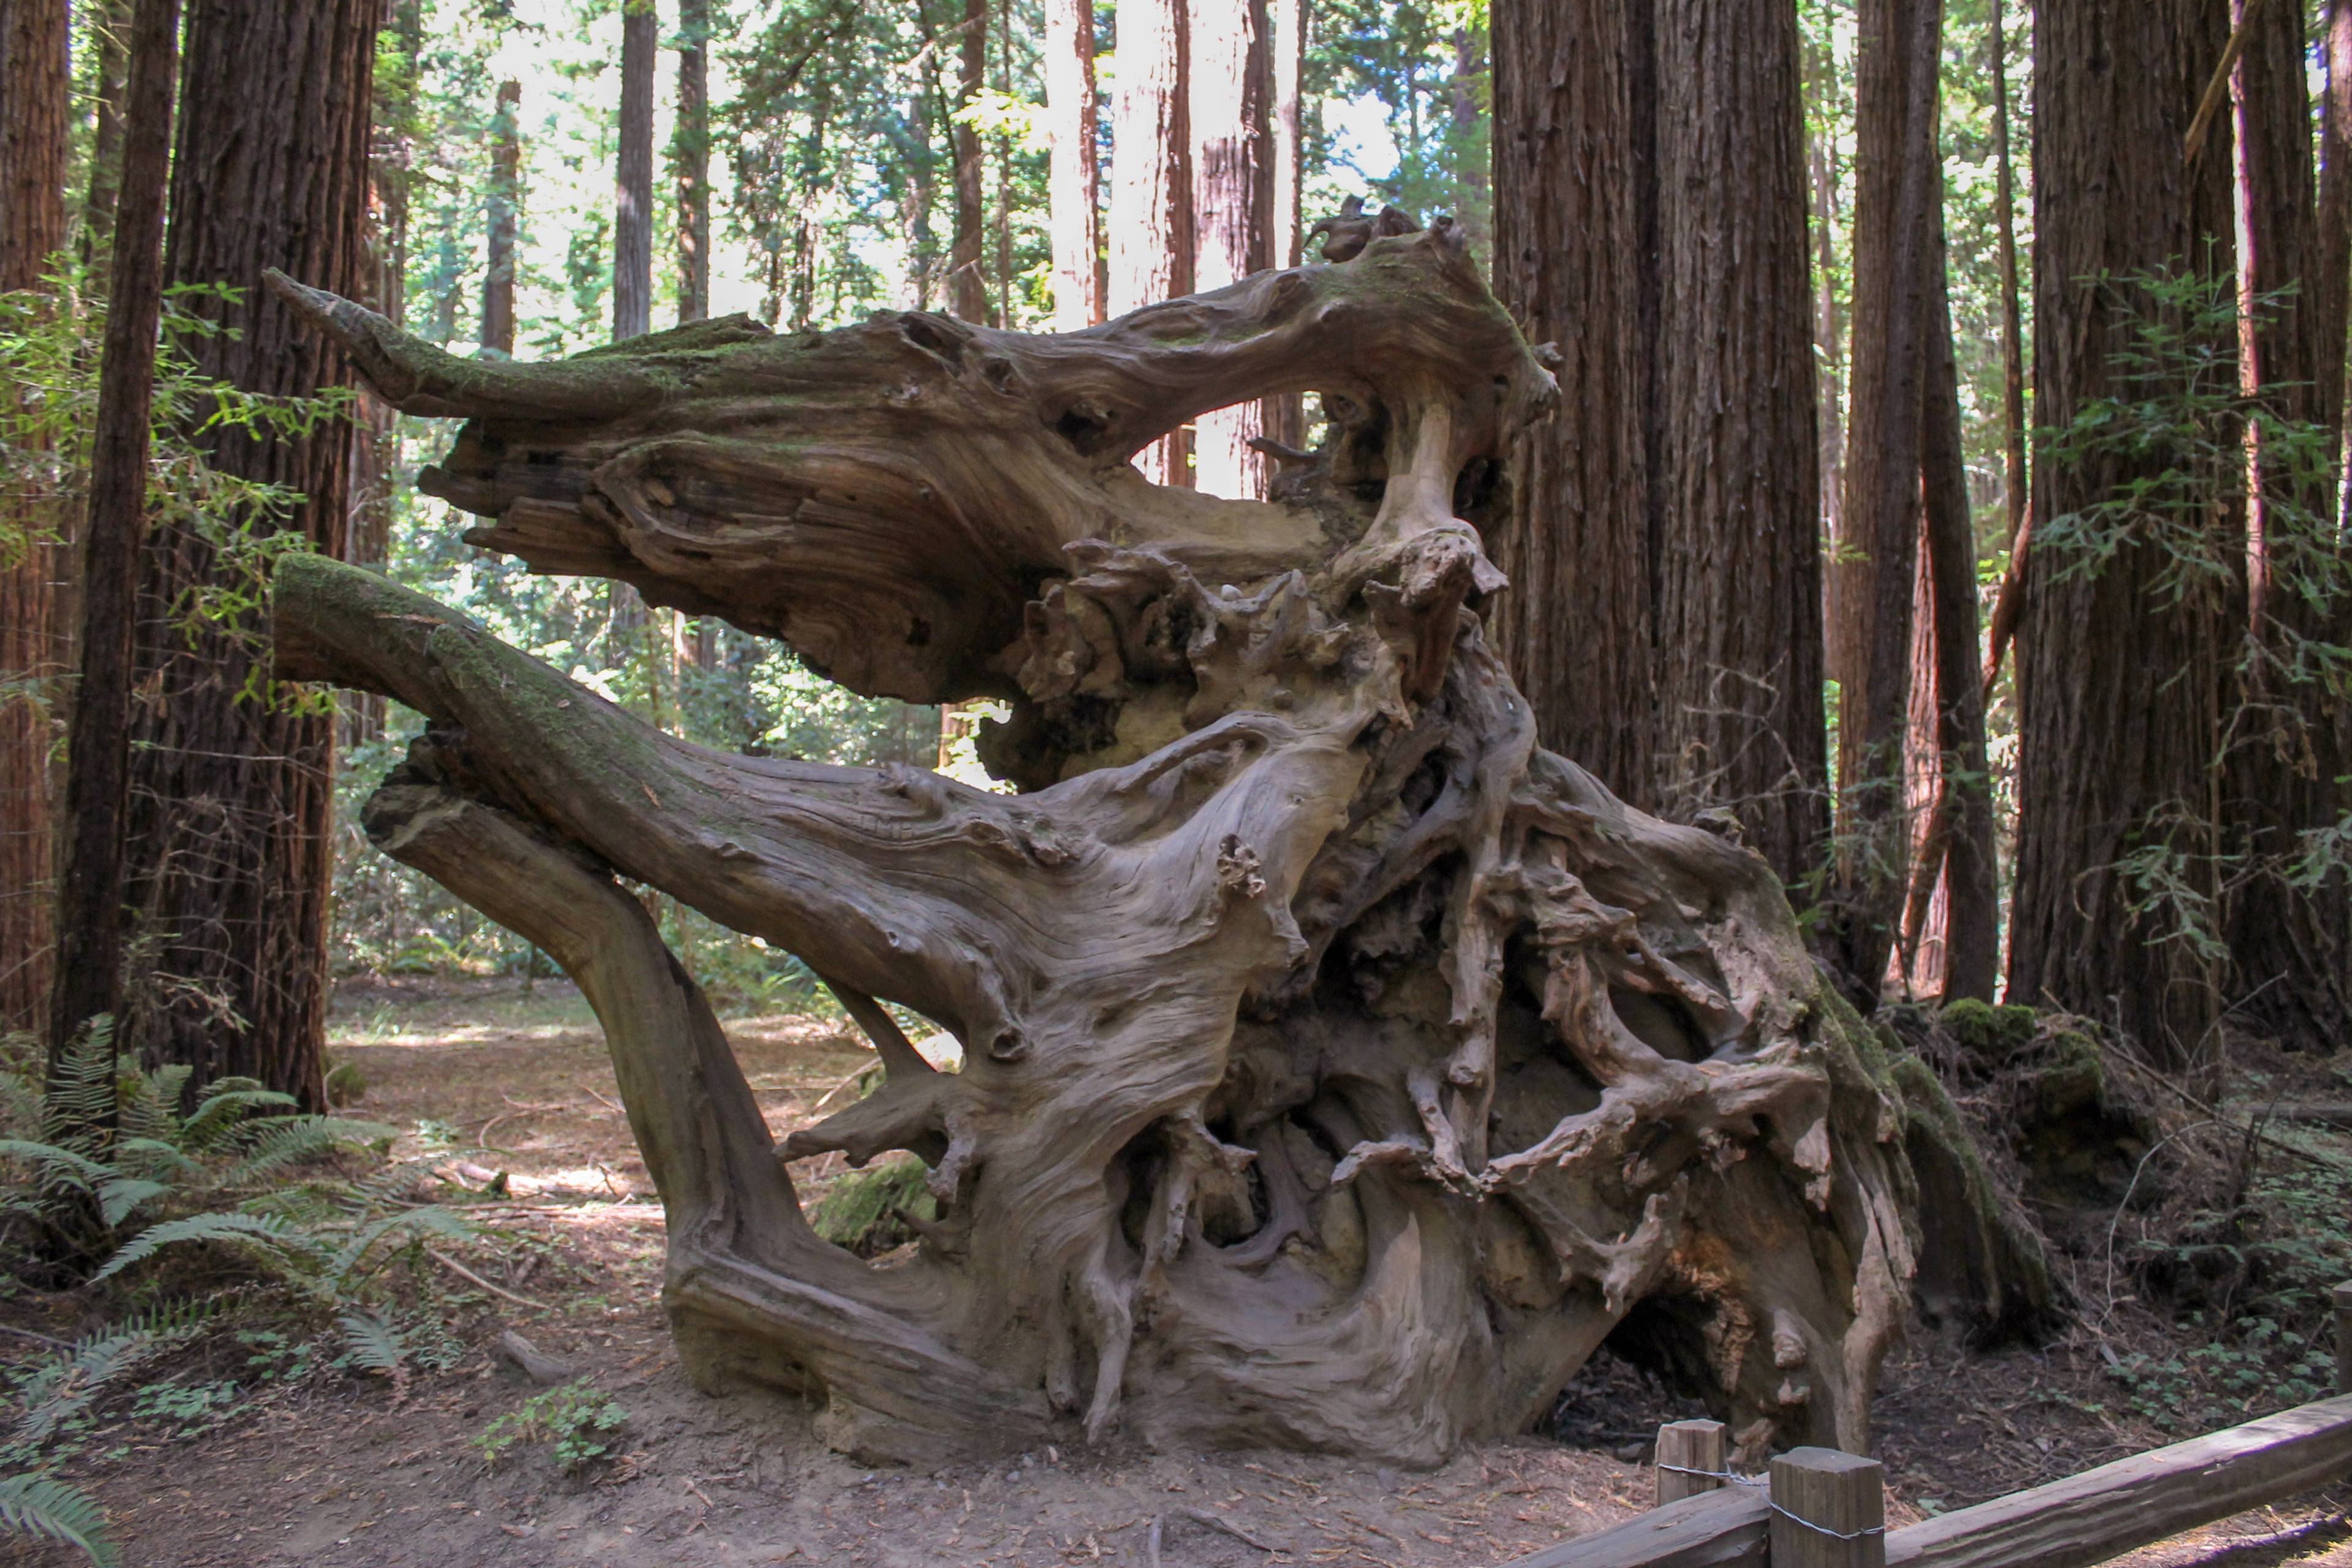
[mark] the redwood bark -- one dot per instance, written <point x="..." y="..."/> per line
<point x="1231" y="65"/>
<point x="1737" y="568"/>
<point x="690" y="154"/>
<point x="505" y="206"/>
<point x="33" y="143"/>
<point x="2287" y="943"/>
<point x="230" y="815"/>
<point x="633" y="181"/>
<point x="1897" y="177"/>
<point x="1650" y="212"/>
<point x="1577" y="627"/>
<point x="1074" y="183"/>
<point x="91" y="893"/>
<point x="968" y="282"/>
<point x="1151" y="186"/>
<point x="2118" y="692"/>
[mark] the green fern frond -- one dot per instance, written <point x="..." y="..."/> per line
<point x="153" y="1156"/>
<point x="85" y="1085"/>
<point x="56" y="1166"/>
<point x="69" y="1381"/>
<point x="436" y="1220"/>
<point x="267" y="1235"/>
<point x="151" y="1104"/>
<point x="285" y="1141"/>
<point x="374" y="1343"/>
<point x="43" y="1506"/>
<point x="222" y="1109"/>
<point x="118" y="1196"/>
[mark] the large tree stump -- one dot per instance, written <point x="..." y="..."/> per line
<point x="1341" y="1068"/>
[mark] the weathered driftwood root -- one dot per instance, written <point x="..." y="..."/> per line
<point x="1341" y="1069"/>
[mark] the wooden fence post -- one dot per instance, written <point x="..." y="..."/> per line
<point x="1829" y="1511"/>
<point x="1689" y="1446"/>
<point x="2344" y="1338"/>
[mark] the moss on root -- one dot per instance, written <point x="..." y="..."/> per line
<point x="864" y="1211"/>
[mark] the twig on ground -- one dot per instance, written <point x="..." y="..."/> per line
<point x="462" y="1272"/>
<point x="1199" y="1516"/>
<point x="30" y="1334"/>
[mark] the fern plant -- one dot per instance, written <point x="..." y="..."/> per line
<point x="102" y="1164"/>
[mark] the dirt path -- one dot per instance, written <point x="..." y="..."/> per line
<point x="493" y="1084"/>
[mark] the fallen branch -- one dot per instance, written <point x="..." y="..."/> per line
<point x="462" y="1272"/>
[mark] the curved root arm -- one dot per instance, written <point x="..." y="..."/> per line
<point x="750" y="1288"/>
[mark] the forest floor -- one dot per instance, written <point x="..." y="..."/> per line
<point x="489" y="1080"/>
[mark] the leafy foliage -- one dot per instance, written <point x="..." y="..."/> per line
<point x="577" y="1420"/>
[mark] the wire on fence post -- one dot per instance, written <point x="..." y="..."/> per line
<point x="2344" y="1338"/>
<point x="1685" y="1448"/>
<point x="1829" y="1511"/>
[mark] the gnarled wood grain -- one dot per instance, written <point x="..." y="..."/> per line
<point x="1341" y="1067"/>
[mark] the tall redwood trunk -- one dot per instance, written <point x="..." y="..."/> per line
<point x="1897" y="175"/>
<point x="2288" y="945"/>
<point x="1569" y="189"/>
<point x="633" y="180"/>
<point x="504" y="204"/>
<point x="1665" y="617"/>
<point x="2118" y="690"/>
<point x="33" y="139"/>
<point x="1231" y="62"/>
<point x="1737" y="569"/>
<point x="690" y="159"/>
<point x="1072" y="181"/>
<point x="967" y="281"/>
<point x="91" y="893"/>
<point x="230" y="788"/>
<point x="1151" y="185"/>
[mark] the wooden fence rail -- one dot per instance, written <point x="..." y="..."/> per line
<point x="1821" y="1508"/>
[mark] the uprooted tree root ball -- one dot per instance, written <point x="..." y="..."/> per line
<point x="1341" y="1067"/>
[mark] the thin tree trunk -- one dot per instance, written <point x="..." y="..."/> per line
<point x="2287" y="943"/>
<point x="1576" y="625"/>
<point x="1003" y="221"/>
<point x="1285" y="416"/>
<point x="2333" y="281"/>
<point x="2118" y="690"/>
<point x="1151" y="185"/>
<point x="33" y="145"/>
<point x="91" y="893"/>
<point x="2016" y="487"/>
<point x="1472" y="133"/>
<point x="1896" y="176"/>
<point x="505" y="206"/>
<point x="111" y="22"/>
<point x="632" y="183"/>
<point x="1963" y="837"/>
<point x="231" y="800"/>
<point x="1233" y="198"/>
<point x="690" y="154"/>
<point x="968" y="283"/>
<point x="1070" y="102"/>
